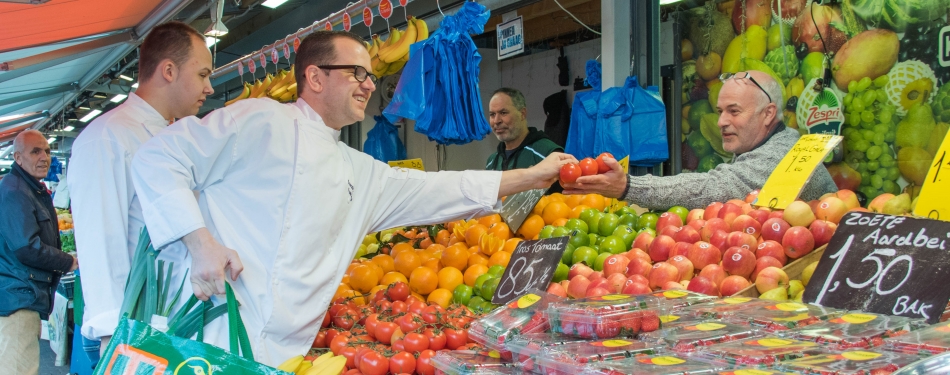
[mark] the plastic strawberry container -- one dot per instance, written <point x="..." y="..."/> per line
<point x="775" y="317"/>
<point x="676" y="318"/>
<point x="849" y="362"/>
<point x="572" y="358"/>
<point x="755" y="371"/>
<point x="692" y="337"/>
<point x="525" y="349"/>
<point x="661" y="364"/>
<point x="926" y="342"/>
<point x="606" y="317"/>
<point x="759" y="351"/>
<point x="681" y="298"/>
<point x="521" y="316"/>
<point x="720" y="308"/>
<point x="465" y="362"/>
<point x="857" y="330"/>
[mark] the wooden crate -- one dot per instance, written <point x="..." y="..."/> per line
<point x="793" y="269"/>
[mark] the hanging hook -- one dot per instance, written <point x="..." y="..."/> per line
<point x="440" y="8"/>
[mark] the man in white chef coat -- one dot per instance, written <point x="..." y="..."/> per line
<point x="175" y="66"/>
<point x="286" y="202"/>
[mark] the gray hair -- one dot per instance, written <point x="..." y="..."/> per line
<point x="774" y="88"/>
<point x="19" y="144"/>
<point x="517" y="98"/>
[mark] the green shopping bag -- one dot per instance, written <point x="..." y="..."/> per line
<point x="138" y="349"/>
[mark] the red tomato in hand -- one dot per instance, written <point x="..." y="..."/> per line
<point x="601" y="166"/>
<point x="424" y="364"/>
<point x="402" y="363"/>
<point x="570" y="173"/>
<point x="588" y="167"/>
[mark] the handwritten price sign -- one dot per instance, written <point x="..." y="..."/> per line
<point x="410" y="164"/>
<point x="517" y="207"/>
<point x="932" y="201"/>
<point x="531" y="266"/>
<point x="791" y="174"/>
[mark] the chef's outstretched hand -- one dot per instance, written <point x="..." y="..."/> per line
<point x="210" y="262"/>
<point x="610" y="184"/>
<point x="549" y="169"/>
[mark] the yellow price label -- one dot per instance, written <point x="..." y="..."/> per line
<point x="409" y="163"/>
<point x="931" y="202"/>
<point x="791" y="174"/>
<point x="616" y="204"/>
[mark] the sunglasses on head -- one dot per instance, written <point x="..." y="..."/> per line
<point x="725" y="76"/>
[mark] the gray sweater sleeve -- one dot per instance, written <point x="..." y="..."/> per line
<point x="735" y="180"/>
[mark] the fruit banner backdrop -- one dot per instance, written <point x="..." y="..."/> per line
<point x="885" y="69"/>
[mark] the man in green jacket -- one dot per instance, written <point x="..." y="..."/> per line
<point x="519" y="146"/>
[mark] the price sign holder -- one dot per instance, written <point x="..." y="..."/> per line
<point x="932" y="201"/>
<point x="791" y="174"/>
<point x="409" y="163"/>
<point x="532" y="266"/>
<point x="517" y="207"/>
<point x="616" y="204"/>
<point x="885" y="264"/>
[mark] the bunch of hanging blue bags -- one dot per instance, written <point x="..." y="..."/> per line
<point x="623" y="121"/>
<point x="439" y="84"/>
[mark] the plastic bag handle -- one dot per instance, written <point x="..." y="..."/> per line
<point x="240" y="344"/>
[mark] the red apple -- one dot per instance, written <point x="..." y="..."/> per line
<point x="686" y="234"/>
<point x="578" y="286"/>
<point x="712" y="210"/>
<point x="776" y="214"/>
<point x="643" y="241"/>
<point x="596" y="275"/>
<point x="743" y="240"/>
<point x="565" y="284"/>
<point x="660" y="248"/>
<point x="729" y="213"/>
<point x="763" y="263"/>
<point x="639" y="279"/>
<point x="639" y="267"/>
<point x="771" y="278"/>
<point x="697" y="224"/>
<point x="662" y="273"/>
<point x="747" y="224"/>
<point x="831" y="209"/>
<point x="672" y="285"/>
<point x="600" y="283"/>
<point x="719" y="239"/>
<point x="634" y="287"/>
<point x="798" y="241"/>
<point x="738" y="261"/>
<point x="799" y="213"/>
<point x="772" y="249"/>
<point x="733" y="284"/>
<point x="713" y="272"/>
<point x="752" y="196"/>
<point x="681" y="248"/>
<point x="703" y="285"/>
<point x="822" y="231"/>
<point x="760" y="215"/>
<point x="595" y="292"/>
<point x="616" y="281"/>
<point x="615" y="264"/>
<point x="695" y="214"/>
<point x="668" y="219"/>
<point x="668" y="230"/>
<point x="774" y="229"/>
<point x="579" y="269"/>
<point x="712" y="225"/>
<point x="684" y="266"/>
<point x="638" y="253"/>
<point x="703" y="254"/>
<point x="557" y="290"/>
<point x="849" y="198"/>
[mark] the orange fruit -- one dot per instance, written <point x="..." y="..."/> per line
<point x="450" y="277"/>
<point x="539" y="207"/>
<point x="472" y="273"/>
<point x="423" y="280"/>
<point x="477" y="258"/>
<point x="352" y="295"/>
<point x="500" y="258"/>
<point x="595" y="201"/>
<point x="474" y="233"/>
<point x="436" y="250"/>
<point x="491" y="244"/>
<point x="455" y="256"/>
<point x="489" y="220"/>
<point x="400" y="247"/>
<point x="384" y="261"/>
<point x="392" y="277"/>
<point x="433" y="264"/>
<point x="441" y="297"/>
<point x="363" y="278"/>
<point x="574" y="200"/>
<point x="555" y="210"/>
<point x="406" y="262"/>
<point x="531" y="227"/>
<point x="346" y="279"/>
<point x="377" y="269"/>
<point x="500" y="230"/>
<point x="442" y="237"/>
<point x="426" y="242"/>
<point x="560" y="222"/>
<point x="576" y="211"/>
<point x="453" y="239"/>
<point x="474" y="249"/>
<point x="417" y="296"/>
<point x="558" y="197"/>
<point x="511" y="245"/>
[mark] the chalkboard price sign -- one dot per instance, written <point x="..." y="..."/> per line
<point x="885" y="264"/>
<point x="517" y="207"/>
<point x="532" y="265"/>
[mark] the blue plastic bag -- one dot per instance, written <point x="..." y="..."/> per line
<point x="614" y="109"/>
<point x="648" y="140"/>
<point x="382" y="142"/>
<point x="580" y="135"/>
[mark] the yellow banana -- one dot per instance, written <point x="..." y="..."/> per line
<point x="303" y="367"/>
<point x="422" y="29"/>
<point x="379" y="67"/>
<point x="321" y="363"/>
<point x="291" y="364"/>
<point x="394" y="68"/>
<point x="255" y="87"/>
<point x="401" y="48"/>
<point x="244" y="94"/>
<point x="322" y="358"/>
<point x="333" y="366"/>
<point x="373" y="47"/>
<point x="265" y="83"/>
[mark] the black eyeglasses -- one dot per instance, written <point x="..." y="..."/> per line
<point x="358" y="71"/>
<point x="724" y="76"/>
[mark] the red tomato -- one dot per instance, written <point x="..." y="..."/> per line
<point x="374" y="363"/>
<point x="399" y="345"/>
<point x="326" y="320"/>
<point x="384" y="306"/>
<point x="601" y="166"/>
<point x="455" y="338"/>
<point x="379" y="296"/>
<point x="433" y="314"/>
<point x="384" y="332"/>
<point x="436" y="338"/>
<point x="416" y="342"/>
<point x="345" y="318"/>
<point x="570" y="173"/>
<point x="353" y="372"/>
<point x="423" y="364"/>
<point x="588" y="167"/>
<point x="359" y="355"/>
<point x="416" y="307"/>
<point x="350" y="354"/>
<point x="409" y="322"/>
<point x="399" y="307"/>
<point x="338" y="344"/>
<point x="370" y="326"/>
<point x="402" y="363"/>
<point x="334" y="309"/>
<point x="321" y="340"/>
<point x="398" y="291"/>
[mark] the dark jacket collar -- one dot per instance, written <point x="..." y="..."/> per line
<point x="31" y="181"/>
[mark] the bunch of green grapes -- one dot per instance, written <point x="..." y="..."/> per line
<point x="869" y="130"/>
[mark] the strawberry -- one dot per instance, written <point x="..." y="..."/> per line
<point x="650" y="323"/>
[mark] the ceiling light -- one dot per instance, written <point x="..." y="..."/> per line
<point x="125" y="77"/>
<point x="51" y="140"/>
<point x="84" y="108"/>
<point x="209" y="41"/>
<point x="217" y="28"/>
<point x="273" y="3"/>
<point x="118" y="98"/>
<point x="92" y="114"/>
<point x="135" y="86"/>
<point x="69" y="128"/>
<point x="665" y="2"/>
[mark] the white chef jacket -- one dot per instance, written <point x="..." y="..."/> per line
<point x="106" y="212"/>
<point x="278" y="187"/>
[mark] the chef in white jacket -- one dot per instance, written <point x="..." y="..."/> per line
<point x="175" y="66"/>
<point x="289" y="203"/>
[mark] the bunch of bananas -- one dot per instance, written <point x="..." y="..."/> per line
<point x="391" y="55"/>
<point x="281" y="87"/>
<point x="326" y="364"/>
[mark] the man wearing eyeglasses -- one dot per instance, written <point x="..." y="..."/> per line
<point x="750" y="120"/>
<point x="287" y="204"/>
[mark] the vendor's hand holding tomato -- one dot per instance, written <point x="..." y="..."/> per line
<point x="603" y="176"/>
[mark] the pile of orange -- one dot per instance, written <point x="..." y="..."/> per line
<point x="556" y="209"/>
